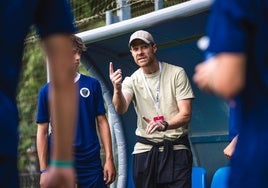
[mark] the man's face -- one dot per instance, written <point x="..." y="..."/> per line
<point x="143" y="53"/>
<point x="77" y="57"/>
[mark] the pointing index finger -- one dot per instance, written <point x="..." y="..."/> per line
<point x="111" y="68"/>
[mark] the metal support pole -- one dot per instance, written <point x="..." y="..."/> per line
<point x="158" y="4"/>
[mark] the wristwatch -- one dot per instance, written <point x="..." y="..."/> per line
<point x="165" y="125"/>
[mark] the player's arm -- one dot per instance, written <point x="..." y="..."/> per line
<point x="105" y="135"/>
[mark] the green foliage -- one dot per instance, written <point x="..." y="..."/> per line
<point x="33" y="76"/>
<point x="87" y="8"/>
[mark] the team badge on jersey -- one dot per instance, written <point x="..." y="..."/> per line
<point x="84" y="92"/>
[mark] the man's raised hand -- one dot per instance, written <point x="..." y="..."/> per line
<point x="115" y="77"/>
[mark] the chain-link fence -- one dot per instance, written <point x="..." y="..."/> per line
<point x="29" y="180"/>
<point x="90" y="14"/>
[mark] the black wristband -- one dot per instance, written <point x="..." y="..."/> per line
<point x="165" y="125"/>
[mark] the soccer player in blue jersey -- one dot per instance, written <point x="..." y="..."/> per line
<point x="54" y="23"/>
<point x="90" y="172"/>
<point x="238" y="35"/>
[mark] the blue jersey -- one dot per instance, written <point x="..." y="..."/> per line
<point x="234" y="118"/>
<point x="241" y="26"/>
<point x="91" y="104"/>
<point x="16" y="17"/>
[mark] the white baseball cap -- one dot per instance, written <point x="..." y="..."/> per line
<point x="142" y="35"/>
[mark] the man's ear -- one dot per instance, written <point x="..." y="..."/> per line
<point x="154" y="48"/>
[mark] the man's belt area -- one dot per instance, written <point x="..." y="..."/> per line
<point x="162" y="170"/>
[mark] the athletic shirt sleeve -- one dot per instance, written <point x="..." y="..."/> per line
<point x="100" y="109"/>
<point x="60" y="19"/>
<point x="226" y="26"/>
<point x="42" y="115"/>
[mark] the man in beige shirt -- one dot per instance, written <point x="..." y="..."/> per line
<point x="162" y="97"/>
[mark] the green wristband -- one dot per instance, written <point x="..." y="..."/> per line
<point x="61" y="164"/>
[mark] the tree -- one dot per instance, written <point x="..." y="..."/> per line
<point x="33" y="76"/>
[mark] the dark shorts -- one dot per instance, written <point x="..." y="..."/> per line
<point x="90" y="172"/>
<point x="182" y="170"/>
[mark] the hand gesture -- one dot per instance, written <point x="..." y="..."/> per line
<point x="153" y="126"/>
<point x="116" y="77"/>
